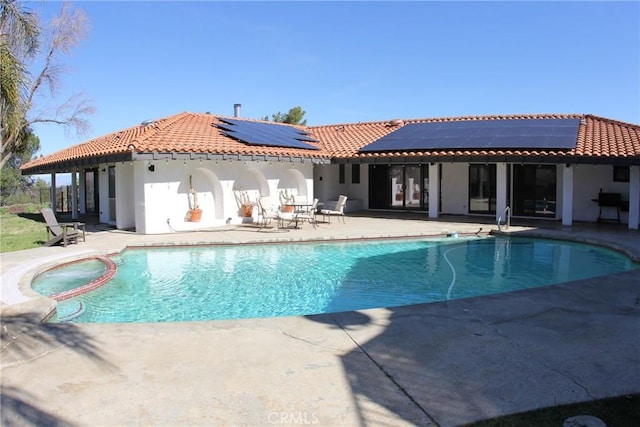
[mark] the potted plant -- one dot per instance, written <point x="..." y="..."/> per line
<point x="195" y="213"/>
<point x="245" y="203"/>
<point x="287" y="201"/>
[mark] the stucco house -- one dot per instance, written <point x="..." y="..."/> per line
<point x="560" y="167"/>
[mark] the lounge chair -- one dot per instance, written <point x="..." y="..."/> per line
<point x="337" y="211"/>
<point x="64" y="232"/>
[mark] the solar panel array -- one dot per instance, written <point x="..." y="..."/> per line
<point x="481" y="134"/>
<point x="260" y="133"/>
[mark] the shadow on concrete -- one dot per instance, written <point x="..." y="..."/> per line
<point x="18" y="410"/>
<point x="23" y="339"/>
<point x="456" y="362"/>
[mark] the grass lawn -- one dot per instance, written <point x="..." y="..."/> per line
<point x="622" y="411"/>
<point x="23" y="230"/>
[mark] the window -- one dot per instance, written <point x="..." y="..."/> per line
<point x="355" y="174"/>
<point x="621" y="173"/>
<point x="341" y="172"/>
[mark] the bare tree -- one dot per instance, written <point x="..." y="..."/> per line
<point x="19" y="48"/>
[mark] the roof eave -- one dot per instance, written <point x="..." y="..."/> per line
<point x="74" y="165"/>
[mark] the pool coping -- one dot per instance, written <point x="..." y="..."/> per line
<point x="46" y="306"/>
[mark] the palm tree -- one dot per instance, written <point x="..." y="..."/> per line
<point x="21" y="32"/>
<point x="19" y="36"/>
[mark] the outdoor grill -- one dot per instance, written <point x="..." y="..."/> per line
<point x="609" y="200"/>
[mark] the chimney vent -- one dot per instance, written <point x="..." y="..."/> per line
<point x="236" y="110"/>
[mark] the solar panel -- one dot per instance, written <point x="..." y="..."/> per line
<point x="259" y="133"/>
<point x="481" y="134"/>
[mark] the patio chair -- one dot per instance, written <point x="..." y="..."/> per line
<point x="61" y="232"/>
<point x="268" y="211"/>
<point x="337" y="211"/>
<point x="309" y="214"/>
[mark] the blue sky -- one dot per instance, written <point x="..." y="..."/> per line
<point x="349" y="62"/>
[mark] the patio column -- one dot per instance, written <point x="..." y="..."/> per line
<point x="501" y="190"/>
<point x="74" y="192"/>
<point x="52" y="193"/>
<point x="434" y="190"/>
<point x="634" y="197"/>
<point x="83" y="191"/>
<point x="567" y="195"/>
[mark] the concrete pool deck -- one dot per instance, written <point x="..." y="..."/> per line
<point x="446" y="364"/>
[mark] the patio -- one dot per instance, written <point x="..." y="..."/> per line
<point x="443" y="364"/>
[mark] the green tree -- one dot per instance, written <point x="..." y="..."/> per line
<point x="15" y="187"/>
<point x="21" y="37"/>
<point x="294" y="116"/>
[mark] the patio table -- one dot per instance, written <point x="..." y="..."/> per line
<point x="301" y="212"/>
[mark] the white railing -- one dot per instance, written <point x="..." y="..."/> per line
<point x="507" y="214"/>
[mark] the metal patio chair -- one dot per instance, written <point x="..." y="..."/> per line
<point x="337" y="211"/>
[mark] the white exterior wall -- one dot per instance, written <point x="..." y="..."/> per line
<point x="329" y="188"/>
<point x="162" y="199"/>
<point x="323" y="177"/>
<point x="157" y="202"/>
<point x="455" y="188"/>
<point x="587" y="182"/>
<point x="358" y="194"/>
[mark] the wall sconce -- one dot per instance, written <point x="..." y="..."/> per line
<point x="152" y="168"/>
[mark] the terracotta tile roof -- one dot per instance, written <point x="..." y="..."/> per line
<point x="197" y="133"/>
<point x="186" y="132"/>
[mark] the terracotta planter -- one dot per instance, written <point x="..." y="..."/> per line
<point x="287" y="208"/>
<point x="195" y="215"/>
<point x="247" y="210"/>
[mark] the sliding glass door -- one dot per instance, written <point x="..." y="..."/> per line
<point x="482" y="189"/>
<point x="399" y="186"/>
<point x="534" y="190"/>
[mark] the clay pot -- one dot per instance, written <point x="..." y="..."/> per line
<point x="195" y="215"/>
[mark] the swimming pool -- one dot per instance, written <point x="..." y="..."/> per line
<point x="268" y="280"/>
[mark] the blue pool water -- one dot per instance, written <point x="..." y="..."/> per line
<point x="267" y="280"/>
